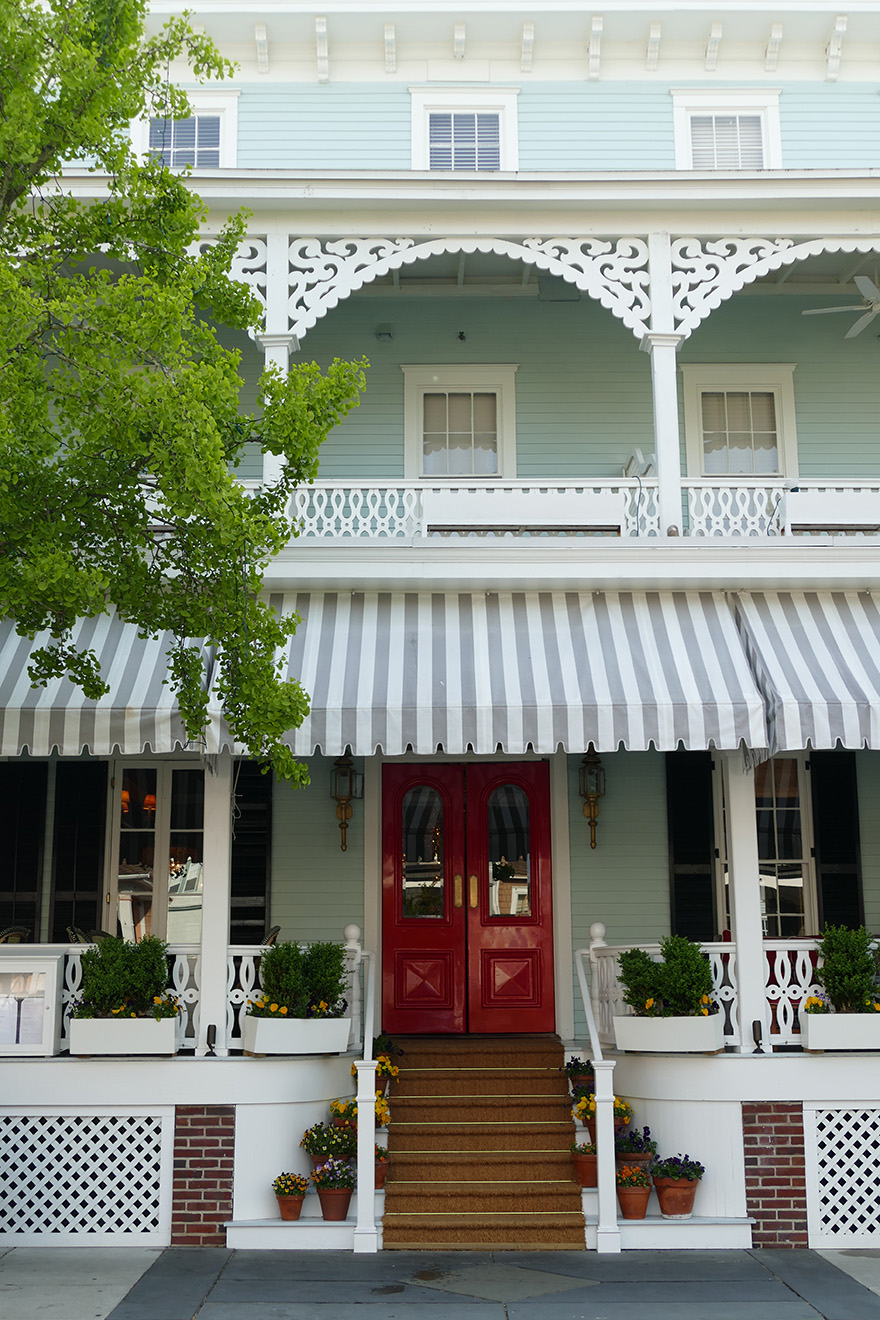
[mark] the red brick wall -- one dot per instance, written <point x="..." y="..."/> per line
<point x="204" y="1138"/>
<point x="776" y="1197"/>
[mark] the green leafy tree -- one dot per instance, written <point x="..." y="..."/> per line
<point x="119" y="406"/>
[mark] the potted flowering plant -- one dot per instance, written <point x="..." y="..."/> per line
<point x="579" y="1073"/>
<point x="381" y="1166"/>
<point x="124" y="1006"/>
<point x="584" y="1111"/>
<point x="386" y="1072"/>
<point x="289" y="1189"/>
<point x="323" y="1142"/>
<point x="635" y="1148"/>
<point x="301" y="1004"/>
<point x="335" y="1180"/>
<point x="633" y="1191"/>
<point x="847" y="1015"/>
<point x="671" y="999"/>
<point x="675" y="1181"/>
<point x="583" y="1157"/>
<point x="344" y="1113"/>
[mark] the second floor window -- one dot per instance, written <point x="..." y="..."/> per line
<point x="727" y="142"/>
<point x="460" y="420"/>
<point x="460" y="434"/>
<point x="464" y="141"/>
<point x="740" y="420"/>
<point x="739" y="432"/>
<point x="727" y="129"/>
<point x="193" y="141"/>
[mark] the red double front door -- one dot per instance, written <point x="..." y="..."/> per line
<point x="467" y="942"/>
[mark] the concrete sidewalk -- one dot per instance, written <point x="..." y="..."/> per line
<point x="181" y="1284"/>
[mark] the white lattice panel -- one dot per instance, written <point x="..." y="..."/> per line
<point x="86" y="1178"/>
<point x="842" y="1148"/>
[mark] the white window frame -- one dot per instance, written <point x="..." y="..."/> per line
<point x="811" y="886"/>
<point x="727" y="102"/>
<point x="464" y="100"/>
<point x="224" y="104"/>
<point x="776" y="378"/>
<point x="491" y="378"/>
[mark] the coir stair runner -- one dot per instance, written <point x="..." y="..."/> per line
<point x="479" y="1147"/>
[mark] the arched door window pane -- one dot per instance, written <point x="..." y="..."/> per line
<point x="422" y="868"/>
<point x="510" y="871"/>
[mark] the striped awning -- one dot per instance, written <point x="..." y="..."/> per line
<point x="520" y="671"/>
<point x="816" y="658"/>
<point x="138" y="714"/>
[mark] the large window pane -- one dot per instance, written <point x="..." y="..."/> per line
<point x="422" y="876"/>
<point x="510" y="883"/>
<point x="137" y="850"/>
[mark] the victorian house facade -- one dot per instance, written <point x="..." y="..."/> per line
<point x="613" y="490"/>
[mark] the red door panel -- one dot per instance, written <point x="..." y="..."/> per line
<point x="466" y="898"/>
<point x="510" y="929"/>
<point x="423" y="930"/>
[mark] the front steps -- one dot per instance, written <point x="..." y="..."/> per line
<point x="479" y="1147"/>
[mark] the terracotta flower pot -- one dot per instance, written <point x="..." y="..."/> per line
<point x="290" y="1207"/>
<point x="590" y="1125"/>
<point x="585" y="1169"/>
<point x="676" y="1196"/>
<point x="381" y="1173"/>
<point x="586" y="1081"/>
<point x="639" y="1159"/>
<point x="344" y="1122"/>
<point x="334" y="1202"/>
<point x="633" y="1201"/>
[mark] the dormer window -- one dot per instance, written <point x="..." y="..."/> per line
<point x="464" y="129"/>
<point x="194" y="141"/>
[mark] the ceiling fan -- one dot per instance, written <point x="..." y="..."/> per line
<point x="870" y="306"/>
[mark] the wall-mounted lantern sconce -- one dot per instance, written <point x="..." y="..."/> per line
<point x="346" y="785"/>
<point x="591" y="786"/>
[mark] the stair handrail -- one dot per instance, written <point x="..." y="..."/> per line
<point x="607" y="1229"/>
<point x="366" y="1234"/>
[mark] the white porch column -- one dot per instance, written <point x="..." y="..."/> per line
<point x="277" y="349"/>
<point x="662" y="342"/>
<point x="215" y="903"/>
<point x="745" y="900"/>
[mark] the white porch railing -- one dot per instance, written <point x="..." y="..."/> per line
<point x="607" y="1231"/>
<point x="242" y="980"/>
<point x="392" y="511"/>
<point x="752" y="507"/>
<point x="789" y="967"/>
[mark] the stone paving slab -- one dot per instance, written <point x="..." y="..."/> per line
<point x="384" y="1267"/>
<point x="671" y="1266"/>
<point x="175" y="1287"/>
<point x="832" y="1292"/>
<point x="556" y="1309"/>
<point x="69" y="1283"/>
<point x="245" y="1293"/>
<point x="369" y="1311"/>
<point x="861" y="1263"/>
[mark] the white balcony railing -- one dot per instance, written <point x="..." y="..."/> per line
<point x="789" y="967"/>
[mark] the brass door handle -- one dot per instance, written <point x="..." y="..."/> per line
<point x="458" y="892"/>
<point x="474" y="899"/>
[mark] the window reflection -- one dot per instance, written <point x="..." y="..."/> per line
<point x="510" y="891"/>
<point x="422" y="868"/>
<point x="782" y="863"/>
<point x="137" y="849"/>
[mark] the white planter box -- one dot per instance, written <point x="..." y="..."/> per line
<point x="124" y="1035"/>
<point x="673" y="1035"/>
<point x="294" y="1035"/>
<point x="840" y="1031"/>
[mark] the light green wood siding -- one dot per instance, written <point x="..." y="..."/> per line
<point x="835" y="381"/>
<point x="595" y="126"/>
<point x="624" y="880"/>
<point x="345" y="126"/>
<point x="583" y="389"/>
<point x="317" y="889"/>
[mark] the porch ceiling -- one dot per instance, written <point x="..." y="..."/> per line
<point x="539" y="671"/>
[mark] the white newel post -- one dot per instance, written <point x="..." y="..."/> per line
<point x="662" y="343"/>
<point x="215" y="903"/>
<point x="366" y="1236"/>
<point x="745" y="901"/>
<point x="607" y="1230"/>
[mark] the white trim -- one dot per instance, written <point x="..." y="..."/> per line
<point x="453" y="99"/>
<point x="777" y="377"/>
<point x="422" y="378"/>
<point x="560" y="868"/>
<point x="764" y="102"/>
<point x="202" y="102"/>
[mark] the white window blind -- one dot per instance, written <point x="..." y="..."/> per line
<point x="461" y="140"/>
<point x="727" y="142"/>
<point x="193" y="141"/>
